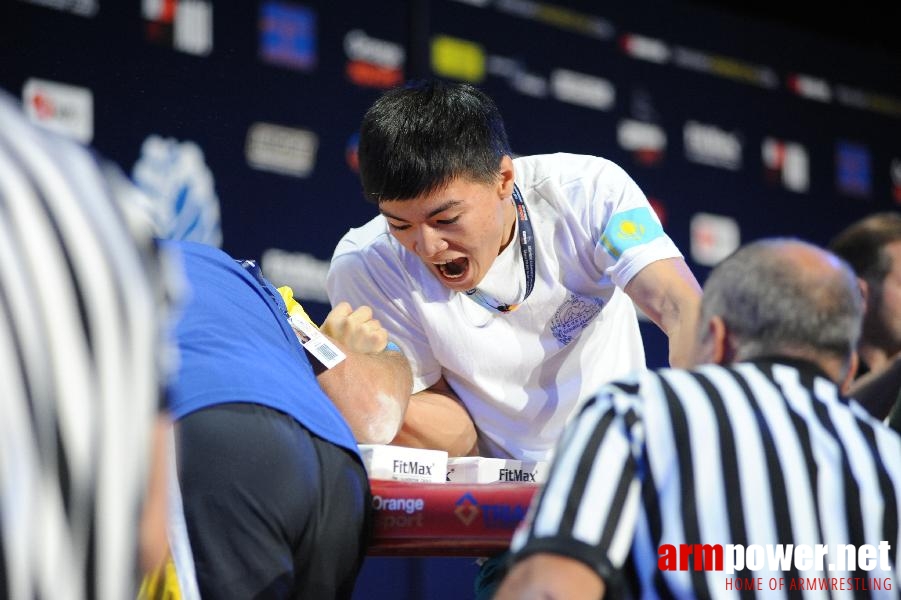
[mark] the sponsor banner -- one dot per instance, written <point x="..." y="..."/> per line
<point x="559" y="17"/>
<point x="582" y="89"/>
<point x="659" y="209"/>
<point x="710" y="145"/>
<point x="82" y="8"/>
<point x="288" y="36"/>
<point x="61" y="108"/>
<point x="725" y="67"/>
<point x="449" y="519"/>
<point x="181" y="190"/>
<point x="712" y="238"/>
<point x="518" y="77"/>
<point x="864" y="100"/>
<point x="399" y="463"/>
<point x="280" y="149"/>
<point x="807" y="86"/>
<point x="185" y="25"/>
<point x="645" y="48"/>
<point x="895" y="174"/>
<point x="373" y="62"/>
<point x="853" y="174"/>
<point x="457" y="58"/>
<point x="303" y="273"/>
<point x="352" y="152"/>
<point x="786" y="163"/>
<point x="478" y="469"/>
<point x="646" y="141"/>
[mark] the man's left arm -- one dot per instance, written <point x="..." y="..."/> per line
<point x="668" y="293"/>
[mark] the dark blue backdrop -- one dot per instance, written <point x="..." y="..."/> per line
<point x="314" y="67"/>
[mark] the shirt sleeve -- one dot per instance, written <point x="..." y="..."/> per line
<point x="628" y="230"/>
<point x="588" y="508"/>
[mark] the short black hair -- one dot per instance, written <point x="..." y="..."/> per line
<point x="418" y="138"/>
<point x="863" y="242"/>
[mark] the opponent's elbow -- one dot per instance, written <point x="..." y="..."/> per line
<point x="381" y="420"/>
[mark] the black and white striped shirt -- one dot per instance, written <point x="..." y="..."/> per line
<point x="761" y="453"/>
<point x="81" y="344"/>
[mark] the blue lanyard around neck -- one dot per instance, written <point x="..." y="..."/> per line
<point x="527" y="247"/>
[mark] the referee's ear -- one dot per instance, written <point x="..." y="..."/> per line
<point x="715" y="344"/>
<point x="853" y="363"/>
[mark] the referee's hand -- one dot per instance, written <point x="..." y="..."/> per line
<point x="355" y="330"/>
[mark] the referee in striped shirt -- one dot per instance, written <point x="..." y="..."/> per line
<point x="82" y="318"/>
<point x="689" y="484"/>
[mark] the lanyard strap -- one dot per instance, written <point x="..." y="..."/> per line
<point x="526" y="247"/>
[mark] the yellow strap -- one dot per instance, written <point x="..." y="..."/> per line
<point x="294" y="307"/>
<point x="161" y="584"/>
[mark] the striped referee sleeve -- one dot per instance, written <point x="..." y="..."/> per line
<point x="588" y="507"/>
<point x="81" y="339"/>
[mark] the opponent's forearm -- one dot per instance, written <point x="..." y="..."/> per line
<point x="371" y="391"/>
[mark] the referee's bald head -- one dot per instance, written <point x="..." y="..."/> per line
<point x="783" y="296"/>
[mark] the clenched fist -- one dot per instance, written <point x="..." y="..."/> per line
<point x="355" y="330"/>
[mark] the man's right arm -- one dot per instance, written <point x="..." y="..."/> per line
<point x="436" y="419"/>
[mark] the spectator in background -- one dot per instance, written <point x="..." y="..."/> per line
<point x="872" y="246"/>
<point x="276" y="498"/>
<point x="759" y="447"/>
<point x="83" y="352"/>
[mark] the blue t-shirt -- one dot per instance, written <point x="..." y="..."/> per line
<point x="235" y="345"/>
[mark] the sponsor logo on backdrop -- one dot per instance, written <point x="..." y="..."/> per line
<point x="712" y="238"/>
<point x="186" y="25"/>
<point x="352" y="152"/>
<point x="303" y="273"/>
<point x="659" y="209"/>
<point x="582" y="89"/>
<point x="725" y="67"/>
<point x="82" y="8"/>
<point x="517" y="75"/>
<point x="895" y="174"/>
<point x="786" y="163"/>
<point x="180" y="190"/>
<point x="280" y="149"/>
<point x="288" y="35"/>
<point x="559" y="17"/>
<point x="646" y="141"/>
<point x="807" y="86"/>
<point x="866" y="100"/>
<point x="373" y="62"/>
<point x="457" y="58"/>
<point x="645" y="48"/>
<point x="853" y="175"/>
<point x="710" y="145"/>
<point x="61" y="108"/>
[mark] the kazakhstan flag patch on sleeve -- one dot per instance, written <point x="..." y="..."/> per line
<point x="630" y="228"/>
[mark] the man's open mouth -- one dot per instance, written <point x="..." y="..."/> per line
<point x="454" y="269"/>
